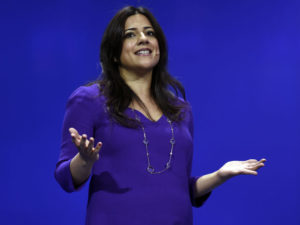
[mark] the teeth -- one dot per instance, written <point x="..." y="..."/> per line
<point x="143" y="52"/>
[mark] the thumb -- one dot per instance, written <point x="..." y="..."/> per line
<point x="74" y="132"/>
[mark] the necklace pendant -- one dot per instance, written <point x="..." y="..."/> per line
<point x="145" y="141"/>
<point x="168" y="165"/>
<point x="150" y="169"/>
<point x="172" y="141"/>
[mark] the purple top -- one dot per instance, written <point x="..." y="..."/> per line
<point x="121" y="190"/>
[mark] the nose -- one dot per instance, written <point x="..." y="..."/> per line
<point x="143" y="39"/>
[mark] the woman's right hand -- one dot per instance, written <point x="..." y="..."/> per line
<point x="86" y="148"/>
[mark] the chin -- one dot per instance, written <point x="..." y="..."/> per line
<point x="149" y="65"/>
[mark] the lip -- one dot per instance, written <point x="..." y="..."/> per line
<point x="143" y="49"/>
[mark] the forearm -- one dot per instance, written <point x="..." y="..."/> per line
<point x="208" y="182"/>
<point x="80" y="170"/>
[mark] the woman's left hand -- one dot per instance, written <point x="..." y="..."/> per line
<point x="234" y="168"/>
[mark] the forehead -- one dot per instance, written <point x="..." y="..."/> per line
<point x="137" y="21"/>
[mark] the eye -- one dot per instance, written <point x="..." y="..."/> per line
<point x="150" y="33"/>
<point x="129" y="35"/>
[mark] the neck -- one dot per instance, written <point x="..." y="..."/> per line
<point x="140" y="83"/>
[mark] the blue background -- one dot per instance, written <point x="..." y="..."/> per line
<point x="238" y="60"/>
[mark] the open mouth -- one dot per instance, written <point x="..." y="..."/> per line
<point x="144" y="51"/>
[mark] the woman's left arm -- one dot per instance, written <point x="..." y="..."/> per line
<point x="208" y="182"/>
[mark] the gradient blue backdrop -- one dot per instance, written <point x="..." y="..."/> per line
<point x="240" y="64"/>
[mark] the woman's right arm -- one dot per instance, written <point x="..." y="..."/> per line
<point x="78" y="154"/>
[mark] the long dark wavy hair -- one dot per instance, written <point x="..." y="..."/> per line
<point x="117" y="92"/>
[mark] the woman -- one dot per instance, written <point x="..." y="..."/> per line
<point x="144" y="131"/>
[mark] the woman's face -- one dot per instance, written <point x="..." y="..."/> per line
<point x="140" y="51"/>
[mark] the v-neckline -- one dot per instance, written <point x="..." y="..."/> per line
<point x="144" y="118"/>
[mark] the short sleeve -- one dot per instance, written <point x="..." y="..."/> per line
<point x="80" y="114"/>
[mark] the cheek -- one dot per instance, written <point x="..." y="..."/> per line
<point x="126" y="49"/>
<point x="128" y="46"/>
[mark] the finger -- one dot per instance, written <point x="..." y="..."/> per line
<point x="260" y="162"/>
<point x="255" y="167"/>
<point x="83" y="142"/>
<point x="255" y="161"/>
<point x="249" y="172"/>
<point x="75" y="136"/>
<point x="98" y="147"/>
<point x="91" y="144"/>
<point x="73" y="131"/>
<point x="75" y="140"/>
<point x="260" y="165"/>
<point x="251" y="161"/>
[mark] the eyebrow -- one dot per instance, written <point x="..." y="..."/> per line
<point x="133" y="28"/>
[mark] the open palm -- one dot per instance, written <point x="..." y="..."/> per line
<point x="234" y="168"/>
